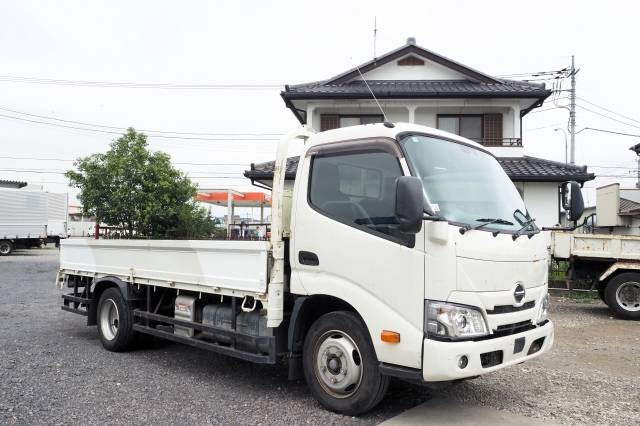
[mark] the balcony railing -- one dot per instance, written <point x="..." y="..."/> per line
<point x="509" y="142"/>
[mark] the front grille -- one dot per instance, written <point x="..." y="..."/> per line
<point x="509" y="329"/>
<point x="506" y="309"/>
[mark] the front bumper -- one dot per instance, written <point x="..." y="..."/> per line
<point x="440" y="359"/>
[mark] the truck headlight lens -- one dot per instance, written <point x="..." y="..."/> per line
<point x="543" y="314"/>
<point x="452" y="321"/>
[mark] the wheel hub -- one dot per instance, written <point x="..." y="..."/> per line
<point x="338" y="365"/>
<point x="109" y="319"/>
<point x="628" y="296"/>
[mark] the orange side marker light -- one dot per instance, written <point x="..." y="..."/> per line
<point x="390" y="336"/>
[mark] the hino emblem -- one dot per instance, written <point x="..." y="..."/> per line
<point x="519" y="292"/>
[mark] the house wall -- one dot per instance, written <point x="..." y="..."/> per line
<point x="425" y="112"/>
<point x="541" y="199"/>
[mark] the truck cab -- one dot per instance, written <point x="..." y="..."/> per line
<point x="464" y="293"/>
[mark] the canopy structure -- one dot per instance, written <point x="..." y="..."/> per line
<point x="232" y="199"/>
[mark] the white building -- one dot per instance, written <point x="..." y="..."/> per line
<point x="416" y="85"/>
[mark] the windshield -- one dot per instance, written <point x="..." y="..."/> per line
<point x="465" y="185"/>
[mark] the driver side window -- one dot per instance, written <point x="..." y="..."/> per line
<point x="357" y="189"/>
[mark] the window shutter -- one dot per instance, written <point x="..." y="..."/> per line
<point x="492" y="129"/>
<point x="329" y="121"/>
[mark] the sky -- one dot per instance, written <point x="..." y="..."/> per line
<point x="189" y="53"/>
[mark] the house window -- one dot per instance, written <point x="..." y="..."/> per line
<point x="478" y="127"/>
<point x="334" y="121"/>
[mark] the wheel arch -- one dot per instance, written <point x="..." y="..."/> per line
<point x="618" y="268"/>
<point x="306" y="310"/>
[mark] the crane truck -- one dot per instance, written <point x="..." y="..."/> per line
<point x="397" y="251"/>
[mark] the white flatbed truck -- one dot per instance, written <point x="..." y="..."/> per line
<point x="398" y="251"/>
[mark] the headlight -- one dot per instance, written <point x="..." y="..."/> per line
<point x="543" y="313"/>
<point x="453" y="321"/>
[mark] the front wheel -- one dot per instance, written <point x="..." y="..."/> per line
<point x="622" y="294"/>
<point x="340" y="364"/>
<point x="115" y="322"/>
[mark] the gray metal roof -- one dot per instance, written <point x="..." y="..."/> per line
<point x="519" y="169"/>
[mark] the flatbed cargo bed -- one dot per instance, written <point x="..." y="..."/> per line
<point x="208" y="266"/>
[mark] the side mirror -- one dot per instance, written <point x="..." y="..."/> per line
<point x="572" y="200"/>
<point x="409" y="205"/>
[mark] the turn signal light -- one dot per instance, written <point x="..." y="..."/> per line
<point x="390" y="336"/>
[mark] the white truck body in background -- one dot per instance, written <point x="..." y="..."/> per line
<point x="28" y="217"/>
<point x="57" y="214"/>
<point x="23" y="214"/>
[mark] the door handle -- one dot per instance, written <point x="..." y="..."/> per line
<point x="308" y="258"/>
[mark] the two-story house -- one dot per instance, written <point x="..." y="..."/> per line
<point x="416" y="85"/>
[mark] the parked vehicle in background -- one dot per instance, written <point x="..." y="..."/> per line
<point x="605" y="252"/>
<point x="397" y="251"/>
<point x="29" y="219"/>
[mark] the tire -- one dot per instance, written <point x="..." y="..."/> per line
<point x="338" y="347"/>
<point x="622" y="295"/>
<point x="115" y="321"/>
<point x="5" y="248"/>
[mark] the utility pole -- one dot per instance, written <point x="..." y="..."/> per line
<point x="572" y="112"/>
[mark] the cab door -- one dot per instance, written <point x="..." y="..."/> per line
<point x="346" y="242"/>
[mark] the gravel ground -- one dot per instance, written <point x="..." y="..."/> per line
<point x="53" y="370"/>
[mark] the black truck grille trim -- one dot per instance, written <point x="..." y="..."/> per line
<point x="507" y="309"/>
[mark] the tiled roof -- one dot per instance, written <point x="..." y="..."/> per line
<point x="628" y="207"/>
<point x="540" y="170"/>
<point x="404" y="89"/>
<point x="5" y="183"/>
<point x="521" y="169"/>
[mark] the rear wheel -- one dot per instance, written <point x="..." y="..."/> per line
<point x="622" y="294"/>
<point x="115" y="321"/>
<point x="340" y="364"/>
<point x="5" y="247"/>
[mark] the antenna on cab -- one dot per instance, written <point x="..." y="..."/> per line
<point x="384" y="116"/>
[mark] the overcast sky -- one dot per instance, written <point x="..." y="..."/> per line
<point x="275" y="43"/>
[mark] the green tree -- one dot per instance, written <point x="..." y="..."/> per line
<point x="139" y="191"/>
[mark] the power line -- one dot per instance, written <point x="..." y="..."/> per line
<point x="607" y="131"/>
<point x="141" y="130"/>
<point x="120" y="133"/>
<point x="608" y="110"/>
<point x="606" y="116"/>
<point x="70" y="160"/>
<point x="546" y="109"/>
<point x="544" y="127"/>
<point x="135" y="85"/>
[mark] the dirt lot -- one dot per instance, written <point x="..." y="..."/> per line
<point x="54" y="371"/>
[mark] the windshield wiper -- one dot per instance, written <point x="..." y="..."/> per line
<point x="525" y="225"/>
<point x="487" y="221"/>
